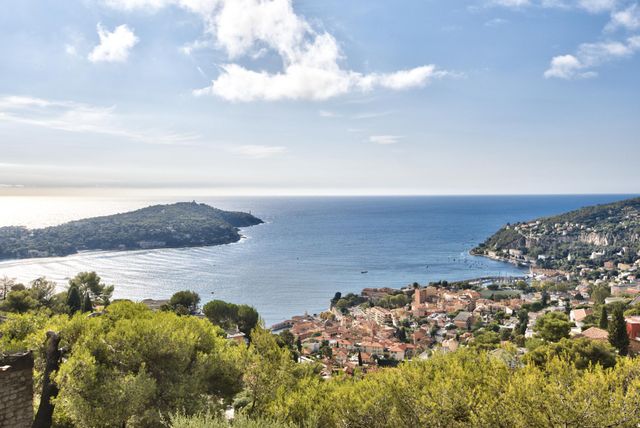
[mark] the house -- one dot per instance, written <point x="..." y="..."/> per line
<point x="237" y="336"/>
<point x="155" y="305"/>
<point x="633" y="330"/>
<point x="578" y="315"/>
<point x="595" y="333"/>
<point x="396" y="352"/>
<point x="463" y="320"/>
<point x="450" y="344"/>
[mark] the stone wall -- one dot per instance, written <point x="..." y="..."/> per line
<point x="16" y="391"/>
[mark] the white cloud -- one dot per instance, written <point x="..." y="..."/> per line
<point x="495" y="22"/>
<point x="589" y="56"/>
<point x="327" y="113"/>
<point x="70" y="50"/>
<point x="76" y="117"/>
<point x="591" y="6"/>
<point x="258" y="151"/>
<point x="310" y="59"/>
<point x="114" y="46"/>
<point x="628" y="19"/>
<point x="385" y="139"/>
<point x="597" y="6"/>
<point x="510" y="3"/>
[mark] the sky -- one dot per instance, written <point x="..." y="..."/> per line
<point x="320" y="96"/>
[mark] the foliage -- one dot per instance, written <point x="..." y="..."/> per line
<point x="86" y="306"/>
<point x="91" y="283"/>
<point x="553" y="326"/>
<point x="582" y="352"/>
<point x="603" y="322"/>
<point x="486" y="341"/>
<point x="208" y="420"/>
<point x="618" y="331"/>
<point x="184" y="302"/>
<point x="20" y="299"/>
<point x="74" y="301"/>
<point x="226" y="315"/>
<point x="131" y="365"/>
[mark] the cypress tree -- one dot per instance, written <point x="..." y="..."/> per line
<point x="87" y="306"/>
<point x="74" y="302"/>
<point x="618" y="331"/>
<point x="604" y="318"/>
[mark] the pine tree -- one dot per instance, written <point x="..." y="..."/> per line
<point x="74" y="302"/>
<point x="87" y="306"/>
<point x="618" y="331"/>
<point x="604" y="318"/>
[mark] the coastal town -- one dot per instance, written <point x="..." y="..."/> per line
<point x="384" y="326"/>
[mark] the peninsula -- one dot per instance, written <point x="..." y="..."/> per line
<point x="183" y="224"/>
<point x="591" y="239"/>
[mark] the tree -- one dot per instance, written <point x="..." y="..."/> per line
<point x="90" y="282"/>
<point x="74" y="301"/>
<point x="43" y="290"/>
<point x="132" y="365"/>
<point x="19" y="302"/>
<point x="523" y="321"/>
<point x="599" y="293"/>
<point x="221" y="313"/>
<point x="247" y="319"/>
<point x="618" y="336"/>
<point x="544" y="298"/>
<point x="553" y="326"/>
<point x="604" y="318"/>
<point x="185" y="302"/>
<point x="336" y="297"/>
<point x="86" y="306"/>
<point x="582" y="352"/>
<point x="5" y="284"/>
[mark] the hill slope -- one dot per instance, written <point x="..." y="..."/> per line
<point x="588" y="236"/>
<point x="159" y="226"/>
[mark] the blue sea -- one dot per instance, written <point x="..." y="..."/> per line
<point x="308" y="248"/>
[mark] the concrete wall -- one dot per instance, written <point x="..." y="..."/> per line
<point x="16" y="391"/>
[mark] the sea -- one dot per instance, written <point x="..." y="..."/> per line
<point x="308" y="248"/>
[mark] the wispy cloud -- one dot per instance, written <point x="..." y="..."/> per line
<point x="311" y="59"/>
<point x="589" y="56"/>
<point x="385" y="139"/>
<point x="628" y="19"/>
<point x="372" y="114"/>
<point x="591" y="6"/>
<point x="495" y="22"/>
<point x="328" y="114"/>
<point x="258" y="151"/>
<point x="76" y="117"/>
<point x="114" y="46"/>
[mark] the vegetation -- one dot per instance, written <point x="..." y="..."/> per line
<point x="176" y="225"/>
<point x="553" y="326"/>
<point x="618" y="331"/>
<point x="228" y="315"/>
<point x="129" y="366"/>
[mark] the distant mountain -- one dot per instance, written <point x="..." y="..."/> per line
<point x="588" y="236"/>
<point x="184" y="224"/>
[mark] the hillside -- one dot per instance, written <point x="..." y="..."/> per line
<point x="590" y="236"/>
<point x="160" y="226"/>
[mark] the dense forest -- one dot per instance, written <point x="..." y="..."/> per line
<point x="587" y="236"/>
<point x="159" y="226"/>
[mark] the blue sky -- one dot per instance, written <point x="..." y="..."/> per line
<point x="320" y="97"/>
